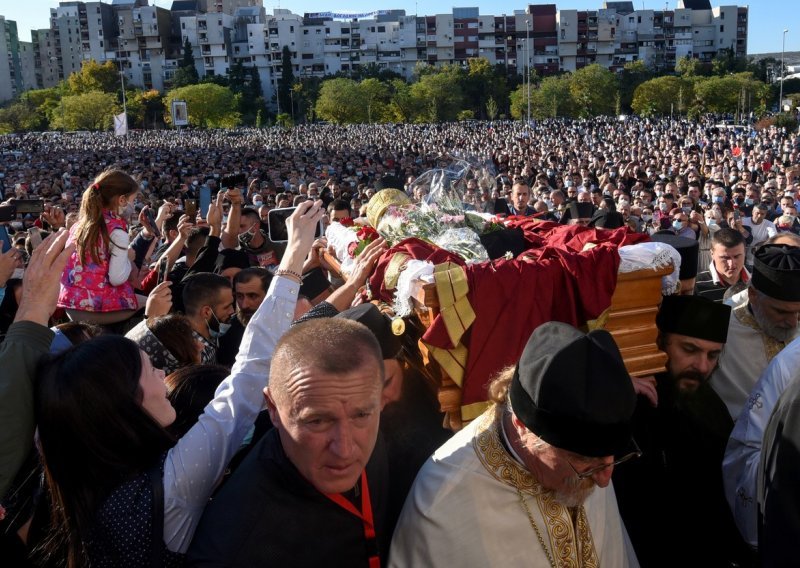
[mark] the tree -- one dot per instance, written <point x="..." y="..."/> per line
<point x="341" y="101"/>
<point x="375" y="95"/>
<point x="691" y="67"/>
<point x="661" y="95"/>
<point x="144" y="108"/>
<point x="634" y="73"/>
<point x="491" y="108"/>
<point x="726" y="62"/>
<point x="95" y="77"/>
<point x="187" y="72"/>
<point x="593" y="88"/>
<point x="439" y="95"/>
<point x="209" y="105"/>
<point x="88" y="111"/>
<point x="403" y="107"/>
<point x="19" y="117"/>
<point x="552" y="98"/>
<point x="286" y="81"/>
<point x="726" y="94"/>
<point x="481" y="83"/>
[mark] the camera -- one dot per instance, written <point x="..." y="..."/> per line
<point x="231" y="181"/>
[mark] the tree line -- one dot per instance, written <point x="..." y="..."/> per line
<point x="88" y="99"/>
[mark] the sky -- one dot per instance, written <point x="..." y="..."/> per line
<point x="767" y="17"/>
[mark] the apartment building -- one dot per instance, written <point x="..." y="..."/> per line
<point x="146" y="40"/>
<point x="10" y="70"/>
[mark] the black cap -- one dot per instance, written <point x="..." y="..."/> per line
<point x="577" y="210"/>
<point x="314" y="283"/>
<point x="694" y="316"/>
<point x="231" y="258"/>
<point x="607" y="219"/>
<point x="776" y="272"/>
<point x="573" y="391"/>
<point x="687" y="248"/>
<point x="380" y="326"/>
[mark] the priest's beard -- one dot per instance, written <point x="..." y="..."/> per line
<point x="776" y="332"/>
<point x="575" y="491"/>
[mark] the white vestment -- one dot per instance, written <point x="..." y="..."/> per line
<point x="743" y="454"/>
<point x="464" y="511"/>
<point x="747" y="353"/>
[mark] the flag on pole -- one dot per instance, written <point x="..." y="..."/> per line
<point x="120" y="124"/>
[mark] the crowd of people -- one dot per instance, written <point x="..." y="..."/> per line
<point x="180" y="386"/>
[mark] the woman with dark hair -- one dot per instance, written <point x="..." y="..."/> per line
<point x="168" y="342"/>
<point x="122" y="494"/>
<point x="189" y="390"/>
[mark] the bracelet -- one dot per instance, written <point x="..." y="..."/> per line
<point x="291" y="273"/>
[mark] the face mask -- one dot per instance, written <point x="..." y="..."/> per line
<point x="663" y="207"/>
<point x="677" y="225"/>
<point x="711" y="222"/>
<point x="569" y="183"/>
<point x="686" y="210"/>
<point x="127" y="211"/>
<point x="748" y="202"/>
<point x="548" y="203"/>
<point x="647" y="217"/>
<point x="738" y="201"/>
<point x="719" y="199"/>
<point x="222" y="328"/>
<point x="623" y="202"/>
<point x="247" y="237"/>
<point x="258" y="203"/>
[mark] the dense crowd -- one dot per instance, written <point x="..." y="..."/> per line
<point x="147" y="263"/>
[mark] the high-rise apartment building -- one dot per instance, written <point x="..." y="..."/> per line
<point x="10" y="71"/>
<point x="146" y="41"/>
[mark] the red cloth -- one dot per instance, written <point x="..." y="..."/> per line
<point x="513" y="297"/>
<point x="416" y="249"/>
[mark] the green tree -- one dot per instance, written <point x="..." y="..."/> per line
<point x="375" y="95"/>
<point x="209" y="105"/>
<point x="491" y="108"/>
<point x="45" y="103"/>
<point x="726" y="62"/>
<point x="691" y="67"/>
<point x="88" y="111"/>
<point x="661" y="95"/>
<point x="481" y="83"/>
<point x="94" y="76"/>
<point x="19" y="117"/>
<point x="439" y="94"/>
<point x="403" y="107"/>
<point x="341" y="101"/>
<point x="145" y="108"/>
<point x="186" y="73"/>
<point x="594" y="88"/>
<point x="634" y="73"/>
<point x="726" y="94"/>
<point x="551" y="99"/>
<point x="286" y="81"/>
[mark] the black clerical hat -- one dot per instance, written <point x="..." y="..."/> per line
<point x="776" y="272"/>
<point x="380" y="326"/>
<point x="573" y="391"/>
<point x="687" y="248"/>
<point x="577" y="210"/>
<point x="694" y="316"/>
<point x="607" y="219"/>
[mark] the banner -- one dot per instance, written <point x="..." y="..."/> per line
<point x="120" y="124"/>
<point x="180" y="113"/>
<point x="345" y="16"/>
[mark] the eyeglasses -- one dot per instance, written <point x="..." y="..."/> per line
<point x="637" y="453"/>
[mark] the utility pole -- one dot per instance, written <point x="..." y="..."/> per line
<point x="528" y="58"/>
<point x="783" y="52"/>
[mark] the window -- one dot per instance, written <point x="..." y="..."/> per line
<point x="219" y="22"/>
<point x="381" y="28"/>
<point x="305" y="32"/>
<point x="640" y="19"/>
<point x="183" y="25"/>
<point x="722" y="29"/>
<point x="291" y="29"/>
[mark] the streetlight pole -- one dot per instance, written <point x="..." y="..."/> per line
<point x="528" y="61"/>
<point x="783" y="51"/>
<point x="124" y="98"/>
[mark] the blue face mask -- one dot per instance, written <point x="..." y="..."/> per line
<point x="686" y="210"/>
<point x="677" y="225"/>
<point x="719" y="199"/>
<point x="222" y="328"/>
<point x="748" y="202"/>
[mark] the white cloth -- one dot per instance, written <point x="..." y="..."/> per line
<point x="747" y="353"/>
<point x="464" y="510"/>
<point x="743" y="454"/>
<point x="196" y="463"/>
<point x="119" y="266"/>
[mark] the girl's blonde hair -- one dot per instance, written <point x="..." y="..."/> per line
<point x="91" y="227"/>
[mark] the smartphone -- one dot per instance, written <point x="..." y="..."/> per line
<point x="151" y="217"/>
<point x="163" y="269"/>
<point x="276" y="223"/>
<point x="205" y="200"/>
<point x="7" y="213"/>
<point x="25" y="206"/>
<point x="4" y="239"/>
<point x="191" y="208"/>
<point x="35" y="236"/>
<point x="231" y="181"/>
<point x="736" y="215"/>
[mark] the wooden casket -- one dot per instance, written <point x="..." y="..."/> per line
<point x="630" y="319"/>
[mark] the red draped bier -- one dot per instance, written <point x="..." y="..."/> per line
<point x="554" y="280"/>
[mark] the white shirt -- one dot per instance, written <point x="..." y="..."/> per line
<point x="196" y="463"/>
<point x="743" y="454"/>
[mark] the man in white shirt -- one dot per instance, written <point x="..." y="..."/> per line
<point x="761" y="229"/>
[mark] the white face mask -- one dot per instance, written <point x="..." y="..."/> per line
<point x="222" y="328"/>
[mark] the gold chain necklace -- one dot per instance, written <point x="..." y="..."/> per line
<point x="536" y="529"/>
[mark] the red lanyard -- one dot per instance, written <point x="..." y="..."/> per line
<point x="365" y="515"/>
